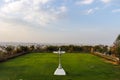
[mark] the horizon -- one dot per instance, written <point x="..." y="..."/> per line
<point x="86" y="22"/>
<point x="52" y="44"/>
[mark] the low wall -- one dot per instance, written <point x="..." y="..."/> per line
<point x="11" y="56"/>
<point x="108" y="57"/>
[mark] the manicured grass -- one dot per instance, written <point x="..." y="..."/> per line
<point x="41" y="66"/>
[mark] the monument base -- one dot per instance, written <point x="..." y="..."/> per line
<point x="59" y="71"/>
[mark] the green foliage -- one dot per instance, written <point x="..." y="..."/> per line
<point x="41" y="66"/>
<point x="67" y="48"/>
<point x="24" y="48"/>
<point x="50" y="48"/>
<point x="118" y="51"/>
<point x="32" y="48"/>
<point x="74" y="48"/>
<point x="9" y="49"/>
<point x="117" y="46"/>
<point x="118" y="38"/>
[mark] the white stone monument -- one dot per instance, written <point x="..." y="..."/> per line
<point x="59" y="70"/>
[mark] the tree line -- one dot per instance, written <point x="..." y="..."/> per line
<point x="10" y="51"/>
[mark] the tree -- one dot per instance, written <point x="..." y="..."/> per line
<point x="99" y="48"/>
<point x="24" y="49"/>
<point x="1" y="55"/>
<point x="31" y="48"/>
<point x="51" y="48"/>
<point x="9" y="49"/>
<point x="117" y="47"/>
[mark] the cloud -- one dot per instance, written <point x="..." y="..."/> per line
<point x="86" y="2"/>
<point x="20" y="20"/>
<point x="116" y="10"/>
<point x="63" y="9"/>
<point x="39" y="12"/>
<point x="7" y="1"/>
<point x="106" y="1"/>
<point x="90" y="11"/>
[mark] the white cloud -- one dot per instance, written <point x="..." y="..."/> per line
<point x="116" y="10"/>
<point x="20" y="19"/>
<point x="63" y="9"/>
<point x="31" y="11"/>
<point x="40" y="1"/>
<point x="84" y="2"/>
<point x="90" y="11"/>
<point x="7" y="1"/>
<point x="106" y="1"/>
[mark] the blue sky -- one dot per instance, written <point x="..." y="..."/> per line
<point x="60" y="21"/>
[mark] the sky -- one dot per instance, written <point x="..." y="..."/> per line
<point x="86" y="22"/>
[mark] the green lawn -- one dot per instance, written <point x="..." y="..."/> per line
<point x="41" y="66"/>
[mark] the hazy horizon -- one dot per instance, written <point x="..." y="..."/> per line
<point x="89" y="22"/>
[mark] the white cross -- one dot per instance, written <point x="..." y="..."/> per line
<point x="59" y="70"/>
<point x="59" y="52"/>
